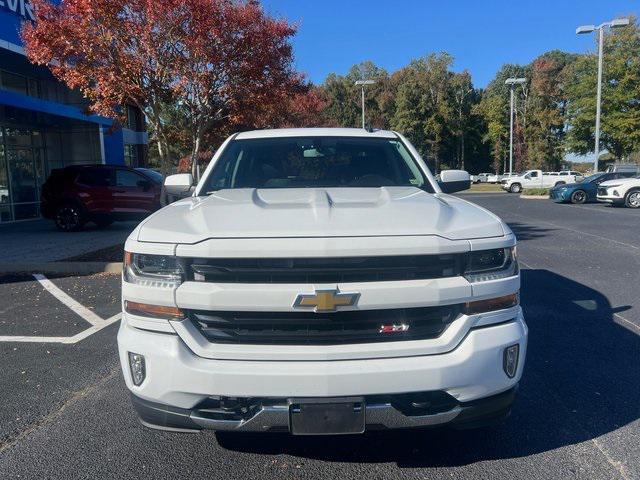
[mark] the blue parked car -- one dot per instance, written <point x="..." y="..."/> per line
<point x="586" y="190"/>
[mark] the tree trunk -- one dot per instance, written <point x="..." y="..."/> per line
<point x="165" y="167"/>
<point x="163" y="153"/>
<point x="197" y="140"/>
<point x="462" y="151"/>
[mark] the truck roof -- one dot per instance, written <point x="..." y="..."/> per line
<point x="316" y="132"/>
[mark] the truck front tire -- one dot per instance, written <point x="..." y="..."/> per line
<point x="515" y="188"/>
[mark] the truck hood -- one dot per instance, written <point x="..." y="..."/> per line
<point x="319" y="212"/>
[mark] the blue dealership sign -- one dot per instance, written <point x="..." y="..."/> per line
<point x="18" y="7"/>
<point x="12" y="14"/>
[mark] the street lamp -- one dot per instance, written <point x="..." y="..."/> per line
<point x="362" y="84"/>
<point x="512" y="82"/>
<point x="618" y="22"/>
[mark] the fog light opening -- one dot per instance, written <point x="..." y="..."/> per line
<point x="510" y="360"/>
<point x="137" y="367"/>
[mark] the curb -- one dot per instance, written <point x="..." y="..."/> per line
<point x="480" y="192"/>
<point x="79" y="268"/>
<point x="535" y="197"/>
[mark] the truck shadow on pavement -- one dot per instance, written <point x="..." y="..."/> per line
<point x="581" y="381"/>
<point x="525" y="231"/>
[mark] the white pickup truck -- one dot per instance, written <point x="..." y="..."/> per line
<point x="320" y="281"/>
<point x="539" y="179"/>
<point x="480" y="178"/>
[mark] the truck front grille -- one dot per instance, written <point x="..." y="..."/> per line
<point x="338" y="328"/>
<point x="326" y="270"/>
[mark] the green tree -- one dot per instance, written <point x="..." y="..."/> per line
<point x="343" y="97"/>
<point x="433" y="106"/>
<point x="464" y="121"/>
<point x="547" y="102"/>
<point x="494" y="108"/>
<point x="620" y="120"/>
<point x="424" y="106"/>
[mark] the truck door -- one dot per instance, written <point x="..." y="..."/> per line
<point x="532" y="179"/>
<point x="133" y="194"/>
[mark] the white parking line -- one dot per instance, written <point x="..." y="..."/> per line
<point x="97" y="323"/>
<point x="78" y="308"/>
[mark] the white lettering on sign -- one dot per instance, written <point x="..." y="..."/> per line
<point x="19" y="7"/>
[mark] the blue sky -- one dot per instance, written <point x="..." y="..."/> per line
<point x="481" y="34"/>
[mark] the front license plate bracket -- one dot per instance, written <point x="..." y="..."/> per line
<point x="327" y="416"/>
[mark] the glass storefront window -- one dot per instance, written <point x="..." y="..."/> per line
<point x="13" y="82"/>
<point x="23" y="175"/>
<point x="131" y="155"/>
<point x="18" y="137"/>
<point x="27" y="156"/>
<point x="22" y="172"/>
<point x="5" y="208"/>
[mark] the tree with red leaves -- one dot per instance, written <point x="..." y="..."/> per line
<point x="216" y="60"/>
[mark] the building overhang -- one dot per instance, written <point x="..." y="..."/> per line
<point x="53" y="108"/>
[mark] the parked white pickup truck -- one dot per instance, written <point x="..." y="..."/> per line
<point x="321" y="281"/>
<point x="480" y="178"/>
<point x="539" y="179"/>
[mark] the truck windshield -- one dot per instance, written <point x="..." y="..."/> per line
<point x="300" y="162"/>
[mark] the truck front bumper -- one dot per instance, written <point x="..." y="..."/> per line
<point x="184" y="391"/>
<point x="274" y="415"/>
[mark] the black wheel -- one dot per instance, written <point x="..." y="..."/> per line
<point x="69" y="218"/>
<point x="560" y="183"/>
<point x="515" y="188"/>
<point x="579" y="196"/>
<point x="103" y="222"/>
<point x="632" y="199"/>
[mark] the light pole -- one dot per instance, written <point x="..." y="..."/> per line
<point x="618" y="22"/>
<point x="512" y="82"/>
<point x="362" y="84"/>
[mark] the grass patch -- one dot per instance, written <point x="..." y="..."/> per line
<point x="536" y="192"/>
<point x="485" y="187"/>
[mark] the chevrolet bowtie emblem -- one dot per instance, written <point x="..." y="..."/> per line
<point x="326" y="300"/>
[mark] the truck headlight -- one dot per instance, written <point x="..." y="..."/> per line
<point x="494" y="264"/>
<point x="162" y="271"/>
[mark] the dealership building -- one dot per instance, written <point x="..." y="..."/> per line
<point x="43" y="124"/>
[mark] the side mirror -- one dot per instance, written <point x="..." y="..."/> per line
<point x="452" y="181"/>
<point x="178" y="185"/>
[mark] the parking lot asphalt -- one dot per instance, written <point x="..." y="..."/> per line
<point x="40" y="241"/>
<point x="66" y="413"/>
